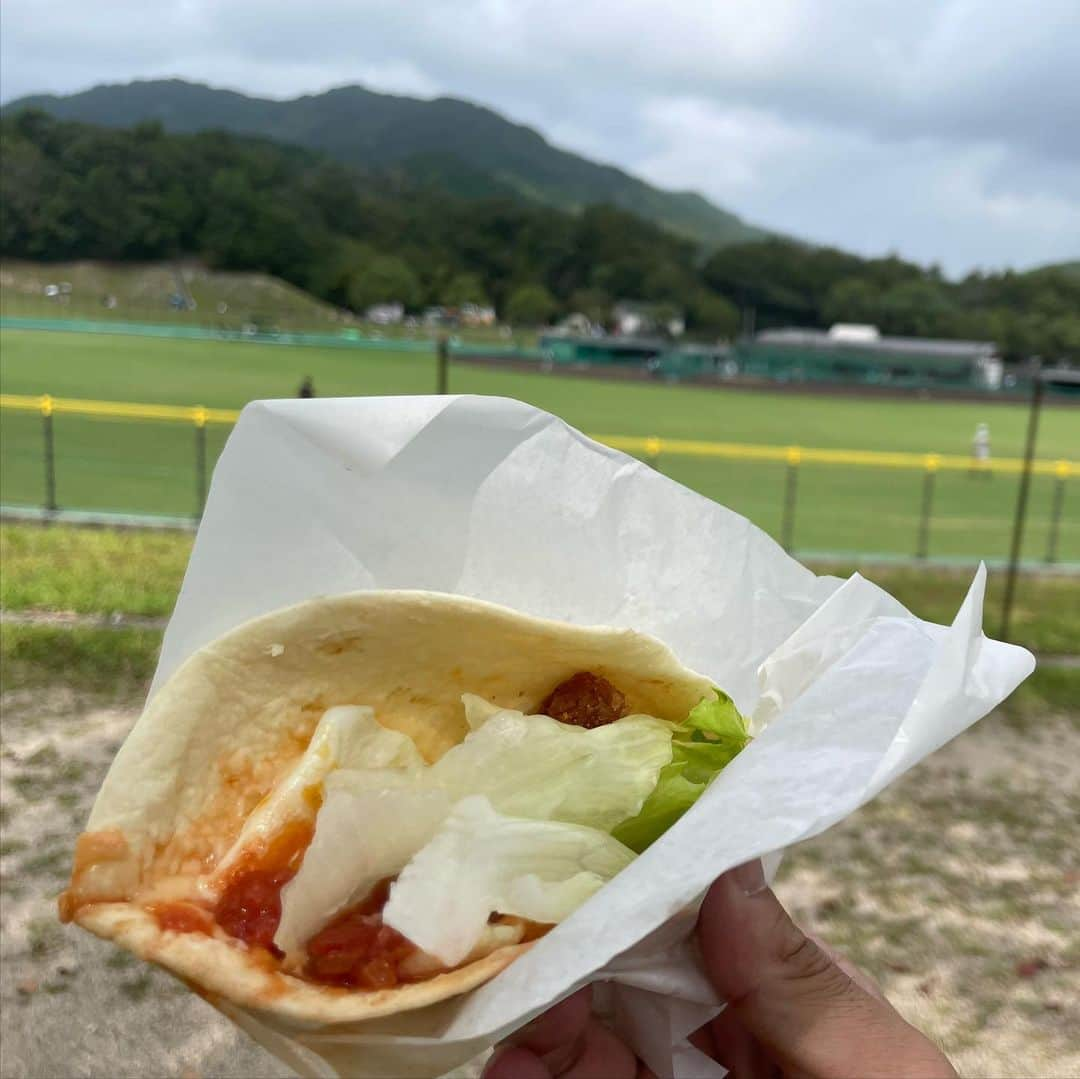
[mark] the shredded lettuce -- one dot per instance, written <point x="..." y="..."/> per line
<point x="374" y="818"/>
<point x="710" y="737"/>
<point x="526" y="816"/>
<point x="347" y="736"/>
<point x="372" y="821"/>
<point x="477" y="710"/>
<point x="535" y="766"/>
<point x="482" y="861"/>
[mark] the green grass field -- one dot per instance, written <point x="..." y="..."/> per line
<point x="109" y="572"/>
<point x="135" y="572"/>
<point x="141" y="293"/>
<point x="149" y="467"/>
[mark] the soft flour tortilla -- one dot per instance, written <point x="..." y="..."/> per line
<point x="220" y="733"/>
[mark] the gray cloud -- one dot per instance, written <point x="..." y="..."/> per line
<point x="942" y="129"/>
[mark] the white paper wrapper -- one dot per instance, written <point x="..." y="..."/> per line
<point x="491" y="498"/>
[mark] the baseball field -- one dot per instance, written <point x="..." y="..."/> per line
<point x="148" y="467"/>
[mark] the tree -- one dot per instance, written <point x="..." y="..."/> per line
<point x="593" y="303"/>
<point x="530" y="305"/>
<point x="1015" y="334"/>
<point x="713" y="314"/>
<point x="667" y="282"/>
<point x="383" y="279"/>
<point x="623" y="278"/>
<point x="919" y="308"/>
<point x="464" y="288"/>
<point x="361" y="236"/>
<point x="330" y="277"/>
<point x="852" y="300"/>
<point x="773" y="277"/>
<point x="1063" y="335"/>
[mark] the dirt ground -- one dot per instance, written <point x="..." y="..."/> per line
<point x="959" y="889"/>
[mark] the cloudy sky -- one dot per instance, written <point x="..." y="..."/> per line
<point x="945" y="130"/>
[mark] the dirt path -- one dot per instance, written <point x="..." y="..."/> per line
<point x="72" y="1005"/>
<point x="957" y="889"/>
<point x="67" y="619"/>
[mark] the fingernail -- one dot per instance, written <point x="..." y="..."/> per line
<point x="750" y="877"/>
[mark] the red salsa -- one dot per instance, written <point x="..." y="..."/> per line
<point x="181" y="917"/>
<point x="249" y="908"/>
<point x="357" y="949"/>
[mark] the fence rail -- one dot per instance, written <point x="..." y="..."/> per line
<point x="198" y="418"/>
<point x="47" y="405"/>
<point x="743" y="451"/>
<point x="651" y="447"/>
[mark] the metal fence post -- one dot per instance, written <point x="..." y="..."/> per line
<point x="791" y="491"/>
<point x="652" y="451"/>
<point x="1061" y="473"/>
<point x="1037" y="387"/>
<point x="922" y="547"/>
<point x="46" y="407"/>
<point x="443" y="352"/>
<point x="198" y="414"/>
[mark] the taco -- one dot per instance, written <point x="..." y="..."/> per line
<point x="368" y="803"/>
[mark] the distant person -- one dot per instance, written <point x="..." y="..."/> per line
<point x="307" y="387"/>
<point x="980" y="451"/>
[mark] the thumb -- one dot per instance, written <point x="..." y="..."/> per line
<point x="810" y="1016"/>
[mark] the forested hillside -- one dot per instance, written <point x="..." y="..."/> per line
<point x="466" y="149"/>
<point x="360" y="236"/>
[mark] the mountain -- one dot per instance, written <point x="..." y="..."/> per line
<point x="1066" y="269"/>
<point x="469" y="150"/>
<point x="356" y="236"/>
<point x="350" y="235"/>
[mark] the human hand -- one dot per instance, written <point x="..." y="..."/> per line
<point x="795" y="1008"/>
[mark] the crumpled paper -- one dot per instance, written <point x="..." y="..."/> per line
<point x="492" y="498"/>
